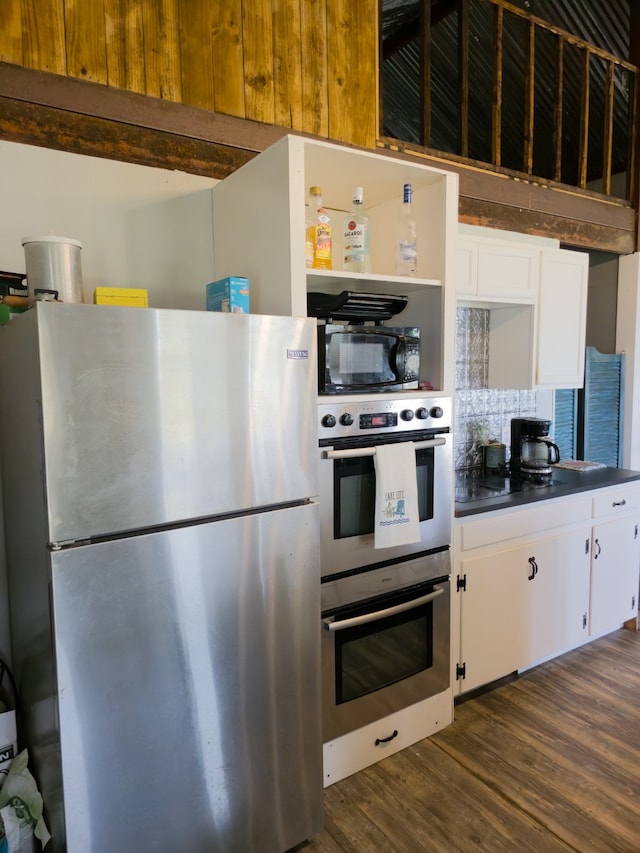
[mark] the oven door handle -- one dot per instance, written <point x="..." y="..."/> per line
<point x="341" y="625"/>
<point x="371" y="451"/>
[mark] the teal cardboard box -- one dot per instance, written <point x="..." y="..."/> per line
<point x="229" y="294"/>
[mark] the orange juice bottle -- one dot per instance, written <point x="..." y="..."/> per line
<point x="318" y="233"/>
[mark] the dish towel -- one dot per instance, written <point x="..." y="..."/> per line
<point x="396" y="513"/>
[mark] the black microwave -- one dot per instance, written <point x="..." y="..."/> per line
<point x="353" y="359"/>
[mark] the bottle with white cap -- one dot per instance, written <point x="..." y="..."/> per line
<point x="357" y="236"/>
<point x="406" y="237"/>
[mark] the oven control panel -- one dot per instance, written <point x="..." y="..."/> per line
<point x="343" y="418"/>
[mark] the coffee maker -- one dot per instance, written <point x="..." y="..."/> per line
<point x="532" y="451"/>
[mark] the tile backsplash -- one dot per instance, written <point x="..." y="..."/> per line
<point x="481" y="414"/>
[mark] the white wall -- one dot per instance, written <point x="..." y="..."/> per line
<point x="628" y="341"/>
<point x="602" y="302"/>
<point x="139" y="227"/>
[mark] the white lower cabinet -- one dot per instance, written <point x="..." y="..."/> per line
<point x="614" y="574"/>
<point x="522" y="604"/>
<point x="536" y="581"/>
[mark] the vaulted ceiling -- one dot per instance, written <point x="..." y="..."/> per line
<point x="606" y="25"/>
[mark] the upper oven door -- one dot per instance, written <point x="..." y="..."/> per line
<point x="347" y="499"/>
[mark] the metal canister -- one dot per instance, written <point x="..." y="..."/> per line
<point x="53" y="263"/>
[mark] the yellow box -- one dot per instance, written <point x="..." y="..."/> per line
<point x="121" y="296"/>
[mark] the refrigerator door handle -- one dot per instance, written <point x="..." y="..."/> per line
<point x="331" y="625"/>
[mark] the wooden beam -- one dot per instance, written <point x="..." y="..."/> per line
<point x="84" y="98"/>
<point x="463" y="77"/>
<point x="583" y="148"/>
<point x="570" y="232"/>
<point x="557" y="109"/>
<point x="425" y="66"/>
<point x="607" y="146"/>
<point x="87" y="118"/>
<point x="529" y="98"/>
<point x="634" y="112"/>
<point x="48" y="127"/>
<point x="496" y="101"/>
<point x="503" y="199"/>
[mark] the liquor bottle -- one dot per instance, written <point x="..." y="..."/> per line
<point x="318" y="232"/>
<point x="357" y="257"/>
<point x="406" y="238"/>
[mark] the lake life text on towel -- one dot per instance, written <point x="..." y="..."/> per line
<point x="397" y="521"/>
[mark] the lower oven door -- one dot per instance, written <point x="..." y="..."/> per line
<point x="384" y="655"/>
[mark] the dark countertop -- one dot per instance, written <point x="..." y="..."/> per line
<point x="566" y="482"/>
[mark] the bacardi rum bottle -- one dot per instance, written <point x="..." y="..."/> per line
<point x="357" y="257"/>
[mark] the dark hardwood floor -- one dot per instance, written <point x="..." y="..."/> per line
<point x="549" y="761"/>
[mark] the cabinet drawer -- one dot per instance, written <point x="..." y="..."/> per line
<point x="615" y="501"/>
<point x="524" y="522"/>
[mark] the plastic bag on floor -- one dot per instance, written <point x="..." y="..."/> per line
<point x="23" y="828"/>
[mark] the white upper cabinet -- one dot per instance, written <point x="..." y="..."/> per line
<point x="492" y="269"/>
<point x="562" y="319"/>
<point x="259" y="232"/>
<point x="537" y="298"/>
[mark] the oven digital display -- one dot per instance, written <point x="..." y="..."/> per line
<point x="375" y="421"/>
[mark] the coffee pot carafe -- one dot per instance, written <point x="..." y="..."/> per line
<point x="532" y="451"/>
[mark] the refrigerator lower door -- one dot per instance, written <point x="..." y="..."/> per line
<point x="189" y="687"/>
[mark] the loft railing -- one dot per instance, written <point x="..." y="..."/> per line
<point x="486" y="81"/>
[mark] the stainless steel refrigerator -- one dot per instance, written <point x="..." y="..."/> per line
<point x="162" y="547"/>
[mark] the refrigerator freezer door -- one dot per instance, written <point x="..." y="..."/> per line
<point x="151" y="417"/>
<point x="189" y="694"/>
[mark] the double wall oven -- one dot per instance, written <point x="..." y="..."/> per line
<point x="385" y="611"/>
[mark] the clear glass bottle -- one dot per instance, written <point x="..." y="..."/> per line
<point x="357" y="236"/>
<point x="406" y="238"/>
<point x="318" y="232"/>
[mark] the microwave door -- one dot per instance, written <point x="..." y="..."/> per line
<point x="356" y="358"/>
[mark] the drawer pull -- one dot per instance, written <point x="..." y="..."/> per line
<point x="619" y="503"/>
<point x="380" y="740"/>
<point x="534" y="568"/>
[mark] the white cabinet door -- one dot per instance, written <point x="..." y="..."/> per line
<point x="508" y="271"/>
<point x="522" y="605"/>
<point x="466" y="267"/>
<point x="491" y="608"/>
<point x="615" y="569"/>
<point x="561" y="320"/>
